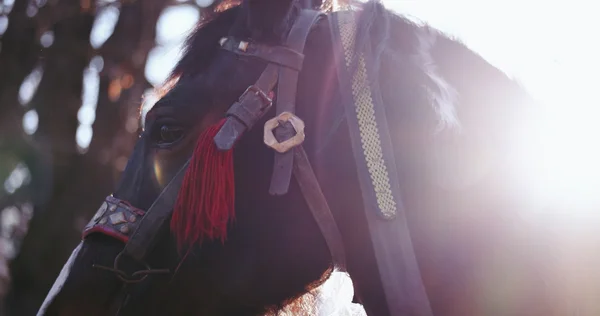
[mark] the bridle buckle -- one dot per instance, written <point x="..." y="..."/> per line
<point x="281" y="147"/>
<point x="266" y="102"/>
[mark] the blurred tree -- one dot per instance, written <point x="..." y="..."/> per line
<point x="53" y="185"/>
<point x="70" y="102"/>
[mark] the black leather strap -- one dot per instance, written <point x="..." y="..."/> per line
<point x="251" y="106"/>
<point x="279" y="55"/>
<point x="286" y="101"/>
<point x="144" y="237"/>
<point x="246" y="112"/>
<point x="397" y="264"/>
<point x="309" y="185"/>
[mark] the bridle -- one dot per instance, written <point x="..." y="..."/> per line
<point x="138" y="229"/>
<point x="396" y="261"/>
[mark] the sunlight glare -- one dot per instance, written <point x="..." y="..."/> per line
<point x="161" y="60"/>
<point x="47" y="39"/>
<point x="18" y="177"/>
<point x="175" y="23"/>
<point x="30" y="122"/>
<point x="30" y="85"/>
<point x="556" y="64"/>
<point x="546" y="46"/>
<point x="83" y="136"/>
<point x="204" y="3"/>
<point x="104" y="25"/>
<point x="564" y="159"/>
<point x="3" y="24"/>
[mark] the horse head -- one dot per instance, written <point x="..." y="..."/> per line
<point x="215" y="215"/>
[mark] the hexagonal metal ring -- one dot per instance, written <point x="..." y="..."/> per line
<point x="286" y="145"/>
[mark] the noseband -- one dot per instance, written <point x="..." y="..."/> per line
<point x="138" y="229"/>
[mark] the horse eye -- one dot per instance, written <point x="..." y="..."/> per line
<point x="169" y="134"/>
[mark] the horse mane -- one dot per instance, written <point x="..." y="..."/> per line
<point x="201" y="44"/>
<point x="402" y="44"/>
<point x="374" y="28"/>
<point x="305" y="304"/>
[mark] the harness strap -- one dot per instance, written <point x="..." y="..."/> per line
<point x="309" y="185"/>
<point x="286" y="101"/>
<point x="251" y="107"/>
<point x="279" y="55"/>
<point x="373" y="150"/>
<point x="243" y="115"/>
<point x="144" y="237"/>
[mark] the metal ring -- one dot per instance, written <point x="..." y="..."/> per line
<point x="281" y="147"/>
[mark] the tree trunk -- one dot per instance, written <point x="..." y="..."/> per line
<point x="57" y="101"/>
<point x="81" y="181"/>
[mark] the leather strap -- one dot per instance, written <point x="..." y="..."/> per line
<point x="279" y="55"/>
<point x="251" y="107"/>
<point x="397" y="264"/>
<point x="309" y="185"/>
<point x="144" y="237"/>
<point x="286" y="101"/>
<point x="246" y="112"/>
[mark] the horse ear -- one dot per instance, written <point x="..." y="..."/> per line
<point x="269" y="20"/>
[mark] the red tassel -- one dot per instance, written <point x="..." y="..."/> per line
<point x="205" y="204"/>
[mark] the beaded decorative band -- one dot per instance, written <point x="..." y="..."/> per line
<point x="115" y="218"/>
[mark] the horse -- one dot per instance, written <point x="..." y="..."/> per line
<point x="239" y="234"/>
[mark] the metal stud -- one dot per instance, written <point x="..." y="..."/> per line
<point x="117" y="218"/>
<point x="124" y="229"/>
<point x="243" y="46"/>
